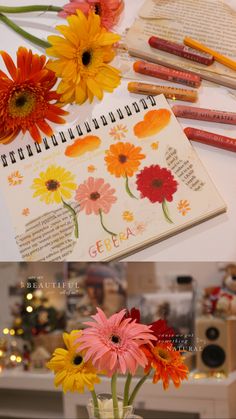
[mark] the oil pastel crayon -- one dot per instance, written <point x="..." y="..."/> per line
<point x="181" y="50"/>
<point x="202" y="114"/>
<point x="209" y="138"/>
<point x="173" y="93"/>
<point x="166" y="73"/>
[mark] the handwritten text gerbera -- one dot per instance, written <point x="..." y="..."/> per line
<point x="110" y="243"/>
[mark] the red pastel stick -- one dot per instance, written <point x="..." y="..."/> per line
<point x="166" y="73"/>
<point x="181" y="50"/>
<point x="209" y="138"/>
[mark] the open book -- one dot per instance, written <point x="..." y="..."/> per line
<point x="106" y="187"/>
<point x="212" y="23"/>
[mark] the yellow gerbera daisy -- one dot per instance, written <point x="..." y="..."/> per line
<point x="54" y="185"/>
<point x="69" y="367"/>
<point x="82" y="55"/>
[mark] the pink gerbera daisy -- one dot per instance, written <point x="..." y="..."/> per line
<point x="96" y="196"/>
<point x="113" y="344"/>
<point x="109" y="10"/>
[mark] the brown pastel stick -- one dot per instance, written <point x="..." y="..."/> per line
<point x="181" y="50"/>
<point x="173" y="93"/>
<point x="209" y="138"/>
<point x="166" y="73"/>
<point x="202" y="114"/>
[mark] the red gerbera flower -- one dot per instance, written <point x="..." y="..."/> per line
<point x="156" y="183"/>
<point x="26" y="97"/>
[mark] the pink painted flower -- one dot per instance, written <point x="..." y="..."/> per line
<point x="109" y="10"/>
<point x="114" y="344"/>
<point x="94" y="196"/>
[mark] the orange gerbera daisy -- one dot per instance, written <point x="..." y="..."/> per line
<point x="26" y="96"/>
<point x="167" y="363"/>
<point x="123" y="159"/>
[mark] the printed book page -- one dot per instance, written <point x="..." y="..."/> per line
<point x="210" y="22"/>
<point x="107" y="187"/>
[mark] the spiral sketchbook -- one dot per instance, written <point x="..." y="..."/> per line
<point x="107" y="187"/>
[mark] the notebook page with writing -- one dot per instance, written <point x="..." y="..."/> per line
<point x="212" y="23"/>
<point x="107" y="187"/>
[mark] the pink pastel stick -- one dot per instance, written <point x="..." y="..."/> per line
<point x="191" y="112"/>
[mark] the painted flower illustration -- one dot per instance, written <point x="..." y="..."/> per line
<point x="96" y="197"/>
<point x="54" y="186"/>
<point x="91" y="168"/>
<point x="15" y="178"/>
<point x="183" y="207"/>
<point x="25" y="212"/>
<point x="158" y="185"/>
<point x="118" y="132"/>
<point x="155" y="145"/>
<point x="128" y="216"/>
<point x="123" y="160"/>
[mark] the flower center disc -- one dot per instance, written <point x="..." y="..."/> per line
<point x="78" y="360"/>
<point x="52" y="185"/>
<point x="161" y="353"/>
<point x="157" y="183"/>
<point x="86" y="58"/>
<point x="122" y="158"/>
<point x="97" y="9"/>
<point x="21" y="103"/>
<point x="115" y="339"/>
<point x="94" y="196"/>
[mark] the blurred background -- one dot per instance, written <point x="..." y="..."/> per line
<point x="39" y="301"/>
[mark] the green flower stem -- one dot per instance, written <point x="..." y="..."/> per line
<point x="74" y="215"/>
<point x="24" y="34"/>
<point x="114" y="396"/>
<point x="95" y="404"/>
<point x="127" y="188"/>
<point x="31" y="8"/>
<point x="126" y="390"/>
<point x="137" y="388"/>
<point x="166" y="212"/>
<point x="103" y="226"/>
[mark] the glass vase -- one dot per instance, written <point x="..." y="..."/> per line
<point x="105" y="408"/>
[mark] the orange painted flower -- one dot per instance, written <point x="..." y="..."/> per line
<point x="166" y="362"/>
<point x="155" y="146"/>
<point x="26" y="212"/>
<point x="91" y="168"/>
<point x="26" y="98"/>
<point x="118" y="132"/>
<point x="15" y="178"/>
<point x="183" y="207"/>
<point x="123" y="159"/>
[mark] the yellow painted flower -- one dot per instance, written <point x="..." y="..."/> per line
<point x="82" y="56"/>
<point x="128" y="216"/>
<point x="155" y="145"/>
<point x="54" y="185"/>
<point x="15" y="178"/>
<point x="69" y="367"/>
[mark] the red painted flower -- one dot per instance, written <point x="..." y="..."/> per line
<point x="157" y="184"/>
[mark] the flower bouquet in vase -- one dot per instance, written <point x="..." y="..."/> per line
<point x="116" y="345"/>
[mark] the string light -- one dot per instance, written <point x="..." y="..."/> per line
<point x="29" y="309"/>
<point x="5" y="331"/>
<point x="29" y="296"/>
<point x="13" y="358"/>
<point x="18" y="359"/>
<point x="20" y="332"/>
<point x="12" y="332"/>
<point x="1" y="353"/>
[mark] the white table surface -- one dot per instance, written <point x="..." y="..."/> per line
<point x="210" y="241"/>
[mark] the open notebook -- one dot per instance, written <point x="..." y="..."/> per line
<point x="107" y="187"/>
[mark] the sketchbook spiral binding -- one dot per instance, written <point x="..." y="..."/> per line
<point x="70" y="134"/>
